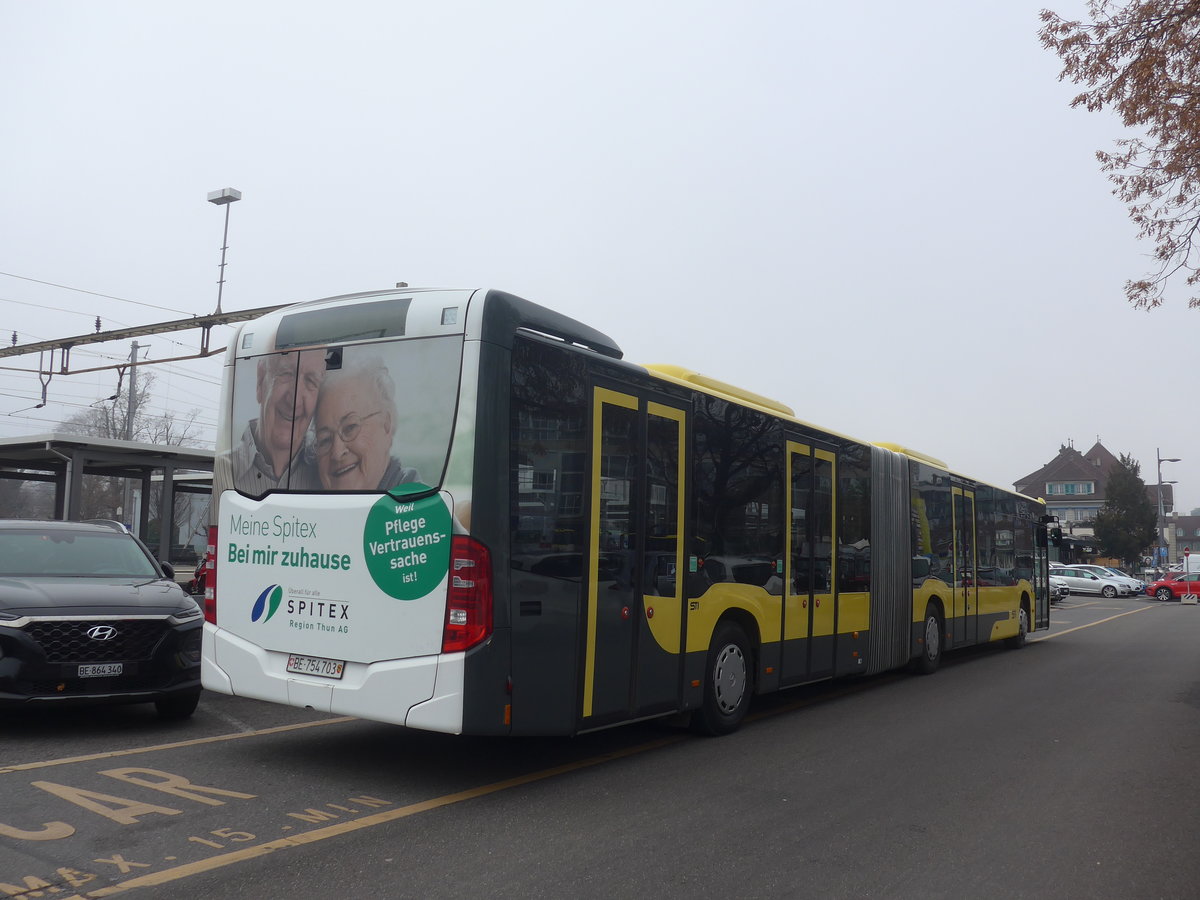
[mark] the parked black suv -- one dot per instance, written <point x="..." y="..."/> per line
<point x="87" y="615"/>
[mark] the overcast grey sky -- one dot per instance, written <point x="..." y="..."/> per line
<point x="884" y="215"/>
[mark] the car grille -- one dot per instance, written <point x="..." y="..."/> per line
<point x="68" y="641"/>
<point x="67" y="687"/>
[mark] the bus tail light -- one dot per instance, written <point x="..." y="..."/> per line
<point x="210" y="577"/>
<point x="469" y="600"/>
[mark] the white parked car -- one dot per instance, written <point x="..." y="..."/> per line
<point x="1081" y="580"/>
<point x="1058" y="589"/>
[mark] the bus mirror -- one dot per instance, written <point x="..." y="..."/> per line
<point x="920" y="567"/>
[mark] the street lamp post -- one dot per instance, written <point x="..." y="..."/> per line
<point x="1162" y="538"/>
<point x="224" y="198"/>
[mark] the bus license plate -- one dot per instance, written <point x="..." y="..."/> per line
<point x="102" y="670"/>
<point x="315" y="665"/>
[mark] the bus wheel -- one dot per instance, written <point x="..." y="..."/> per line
<point x="931" y="649"/>
<point x="1017" y="641"/>
<point x="728" y="682"/>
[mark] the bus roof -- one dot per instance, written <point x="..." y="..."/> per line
<point x="503" y="315"/>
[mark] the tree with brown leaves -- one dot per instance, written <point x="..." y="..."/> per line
<point x="1141" y="58"/>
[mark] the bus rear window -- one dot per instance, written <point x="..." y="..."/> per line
<point x="343" y="323"/>
<point x="363" y="417"/>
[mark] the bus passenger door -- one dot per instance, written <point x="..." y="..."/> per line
<point x="634" y="616"/>
<point x="966" y="586"/>
<point x="825" y="574"/>
<point x="658" y="670"/>
<point x="808" y="611"/>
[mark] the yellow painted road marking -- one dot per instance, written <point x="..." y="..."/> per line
<point x="195" y="742"/>
<point x="319" y="834"/>
<point x="1091" y="624"/>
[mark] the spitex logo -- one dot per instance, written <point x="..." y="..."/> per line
<point x="268" y="601"/>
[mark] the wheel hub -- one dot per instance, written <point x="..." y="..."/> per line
<point x="933" y="638"/>
<point x="729" y="678"/>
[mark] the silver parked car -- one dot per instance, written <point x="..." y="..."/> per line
<point x="1081" y="580"/>
<point x="1136" y="584"/>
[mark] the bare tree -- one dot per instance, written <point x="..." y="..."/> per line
<point x="102" y="496"/>
<point x="112" y="419"/>
<point x="1141" y="58"/>
<point x="25" y="500"/>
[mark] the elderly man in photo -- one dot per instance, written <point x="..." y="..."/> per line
<point x="270" y="454"/>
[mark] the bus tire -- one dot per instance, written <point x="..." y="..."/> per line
<point x="931" y="645"/>
<point x="1017" y="641"/>
<point x="728" y="682"/>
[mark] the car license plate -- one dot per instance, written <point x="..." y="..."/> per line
<point x="315" y="665"/>
<point x="101" y="670"/>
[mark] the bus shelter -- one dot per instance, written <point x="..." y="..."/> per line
<point x="153" y="478"/>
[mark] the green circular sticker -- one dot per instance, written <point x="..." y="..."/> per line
<point x="407" y="545"/>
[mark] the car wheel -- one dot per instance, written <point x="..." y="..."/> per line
<point x="1109" y="591"/>
<point x="1163" y="593"/>
<point x="178" y="706"/>
<point x="728" y="682"/>
<point x="931" y="648"/>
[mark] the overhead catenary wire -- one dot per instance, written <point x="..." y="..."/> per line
<point x="8" y="390"/>
<point x="65" y="287"/>
<point x="96" y="354"/>
<point x="155" y="406"/>
<point x="205" y="415"/>
<point x="195" y="407"/>
<point x="204" y="423"/>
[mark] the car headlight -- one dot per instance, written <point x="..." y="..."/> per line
<point x="186" y="615"/>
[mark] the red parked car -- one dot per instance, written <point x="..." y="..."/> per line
<point x="1174" y="586"/>
<point x="195" y="584"/>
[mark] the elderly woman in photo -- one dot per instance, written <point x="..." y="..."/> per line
<point x="355" y="426"/>
<point x="271" y="452"/>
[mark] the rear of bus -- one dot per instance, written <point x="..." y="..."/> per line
<point x="344" y="577"/>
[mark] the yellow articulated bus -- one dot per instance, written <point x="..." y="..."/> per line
<point x="464" y="512"/>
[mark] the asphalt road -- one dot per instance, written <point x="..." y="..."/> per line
<point x="1066" y="769"/>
